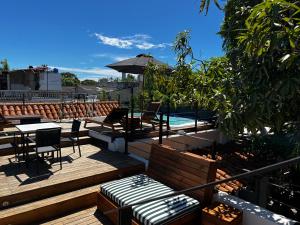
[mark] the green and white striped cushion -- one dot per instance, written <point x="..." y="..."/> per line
<point x="140" y="187"/>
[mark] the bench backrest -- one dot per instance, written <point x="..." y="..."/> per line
<point x="181" y="170"/>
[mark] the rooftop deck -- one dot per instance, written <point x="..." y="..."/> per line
<point x="15" y="178"/>
<point x="22" y="189"/>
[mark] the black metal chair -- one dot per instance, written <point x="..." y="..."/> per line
<point x="13" y="144"/>
<point x="46" y="141"/>
<point x="74" y="136"/>
<point x="26" y="140"/>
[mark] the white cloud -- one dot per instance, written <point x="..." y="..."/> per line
<point x="94" y="70"/>
<point x="140" y="41"/>
<point x="120" y="58"/>
<point x="111" y="56"/>
<point x="116" y="42"/>
<point x="146" y="46"/>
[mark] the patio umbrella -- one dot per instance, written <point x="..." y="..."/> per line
<point x="135" y="65"/>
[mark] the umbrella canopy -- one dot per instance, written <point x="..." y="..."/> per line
<point x="135" y="65"/>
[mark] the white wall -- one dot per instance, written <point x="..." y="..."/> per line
<point x="253" y="214"/>
<point x="54" y="81"/>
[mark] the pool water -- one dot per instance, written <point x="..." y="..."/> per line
<point x="179" y="121"/>
<point x="174" y="120"/>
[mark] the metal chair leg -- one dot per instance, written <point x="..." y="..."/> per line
<point x="79" y="149"/>
<point x="37" y="164"/>
<point x="16" y="157"/>
<point x="60" y="159"/>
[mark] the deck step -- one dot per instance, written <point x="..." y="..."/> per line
<point x="89" y="216"/>
<point x="49" y="208"/>
<point x="54" y="188"/>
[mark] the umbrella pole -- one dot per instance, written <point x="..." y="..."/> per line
<point x="132" y="103"/>
<point x="142" y="100"/>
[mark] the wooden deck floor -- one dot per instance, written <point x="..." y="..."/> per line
<point x="88" y="216"/>
<point x="19" y="184"/>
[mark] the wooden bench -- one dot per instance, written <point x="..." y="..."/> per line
<point x="177" y="170"/>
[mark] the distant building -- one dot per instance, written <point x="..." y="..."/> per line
<point x="35" y="79"/>
<point x="82" y="89"/>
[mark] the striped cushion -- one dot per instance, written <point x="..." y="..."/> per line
<point x="140" y="187"/>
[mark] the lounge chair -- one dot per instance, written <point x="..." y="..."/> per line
<point x="168" y="170"/>
<point x="114" y="120"/>
<point x="149" y="116"/>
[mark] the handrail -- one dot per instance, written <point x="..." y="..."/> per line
<point x="261" y="170"/>
<point x="29" y="95"/>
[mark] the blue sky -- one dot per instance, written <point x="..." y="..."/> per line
<point x="84" y="36"/>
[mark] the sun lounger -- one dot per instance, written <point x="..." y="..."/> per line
<point x="114" y="120"/>
<point x="150" y="114"/>
<point x="168" y="170"/>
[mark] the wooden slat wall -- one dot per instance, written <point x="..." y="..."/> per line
<point x="182" y="170"/>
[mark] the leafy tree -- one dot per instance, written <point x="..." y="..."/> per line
<point x="103" y="80"/>
<point x="103" y="95"/>
<point x="212" y="86"/>
<point x="236" y="13"/>
<point x="158" y="84"/>
<point x="129" y="78"/>
<point x="4" y="65"/>
<point x="261" y="39"/>
<point x="204" y="5"/>
<point x="69" y="79"/>
<point x="89" y="82"/>
<point x="257" y="83"/>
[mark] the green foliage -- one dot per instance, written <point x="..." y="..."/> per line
<point x="104" y="80"/>
<point x="129" y="78"/>
<point x="204" y="5"/>
<point x="256" y="84"/>
<point x="4" y="65"/>
<point x="236" y="13"/>
<point x="261" y="42"/>
<point x="185" y="80"/>
<point x="103" y="95"/>
<point x="158" y="84"/>
<point x="89" y="82"/>
<point x="69" y="79"/>
<point x="282" y="146"/>
<point x="182" y="47"/>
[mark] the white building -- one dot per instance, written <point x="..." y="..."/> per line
<point x="35" y="79"/>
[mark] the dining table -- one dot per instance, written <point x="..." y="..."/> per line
<point x="26" y="129"/>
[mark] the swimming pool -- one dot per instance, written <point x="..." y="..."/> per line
<point x="175" y="121"/>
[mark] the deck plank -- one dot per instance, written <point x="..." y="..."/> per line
<point x="87" y="216"/>
<point x="94" y="165"/>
